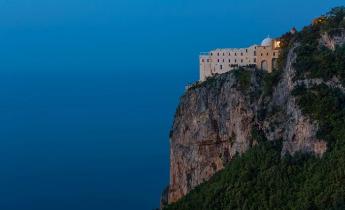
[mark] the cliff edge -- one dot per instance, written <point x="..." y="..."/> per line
<point x="228" y="114"/>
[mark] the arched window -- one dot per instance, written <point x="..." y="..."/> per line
<point x="264" y="65"/>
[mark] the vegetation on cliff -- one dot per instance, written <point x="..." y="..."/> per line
<point x="315" y="61"/>
<point x="261" y="178"/>
<point x="324" y="101"/>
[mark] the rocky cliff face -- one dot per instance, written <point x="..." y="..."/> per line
<point x="334" y="38"/>
<point x="216" y="119"/>
<point x="288" y="123"/>
<point x="212" y="124"/>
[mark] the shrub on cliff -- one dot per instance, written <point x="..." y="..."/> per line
<point x="243" y="77"/>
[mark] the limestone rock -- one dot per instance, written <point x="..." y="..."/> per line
<point x="212" y="124"/>
<point x="334" y="38"/>
<point x="215" y="119"/>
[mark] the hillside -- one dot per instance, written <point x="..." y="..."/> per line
<point x="252" y="140"/>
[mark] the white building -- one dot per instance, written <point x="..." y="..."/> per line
<point x="219" y="61"/>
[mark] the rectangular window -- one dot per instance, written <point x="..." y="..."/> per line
<point x="235" y="54"/>
<point x="274" y="54"/>
<point x="254" y="60"/>
<point x="241" y="60"/>
<point x="246" y="50"/>
<point x="241" y="54"/>
<point x="267" y="54"/>
<point x="254" y="53"/>
<point x="223" y="54"/>
<point x="202" y="60"/>
<point x="229" y="61"/>
<point x="218" y="60"/>
<point x="235" y="60"/>
<point x="229" y="54"/>
<point x="221" y="67"/>
<point x="223" y="60"/>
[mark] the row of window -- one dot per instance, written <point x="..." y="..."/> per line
<point x="274" y="54"/>
<point x="218" y="60"/>
<point x="218" y="54"/>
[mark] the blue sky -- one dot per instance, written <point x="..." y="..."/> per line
<point x="88" y="90"/>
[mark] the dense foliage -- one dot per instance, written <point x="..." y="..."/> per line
<point x="263" y="179"/>
<point x="326" y="106"/>
<point x="323" y="103"/>
<point x="315" y="61"/>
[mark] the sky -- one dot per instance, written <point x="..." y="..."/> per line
<point x="88" y="91"/>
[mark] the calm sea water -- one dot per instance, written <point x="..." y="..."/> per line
<point x="82" y="141"/>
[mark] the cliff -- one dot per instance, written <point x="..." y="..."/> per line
<point x="223" y="117"/>
<point x="215" y="122"/>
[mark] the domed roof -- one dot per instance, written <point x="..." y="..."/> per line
<point x="267" y="42"/>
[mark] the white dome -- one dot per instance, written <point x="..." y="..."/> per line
<point x="267" y="42"/>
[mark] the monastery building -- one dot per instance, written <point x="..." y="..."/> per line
<point x="219" y="61"/>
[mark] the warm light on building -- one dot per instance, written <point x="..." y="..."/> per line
<point x="277" y="44"/>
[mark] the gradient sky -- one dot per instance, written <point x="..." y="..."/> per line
<point x="88" y="90"/>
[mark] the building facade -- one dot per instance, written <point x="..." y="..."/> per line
<point x="219" y="61"/>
